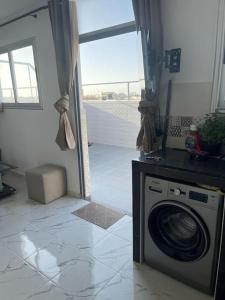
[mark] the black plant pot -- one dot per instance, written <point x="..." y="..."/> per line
<point x="213" y="149"/>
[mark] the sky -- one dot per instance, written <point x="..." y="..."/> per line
<point x="111" y="59"/>
<point x="117" y="58"/>
<point x="97" y="14"/>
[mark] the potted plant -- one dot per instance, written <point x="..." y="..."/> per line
<point x="213" y="133"/>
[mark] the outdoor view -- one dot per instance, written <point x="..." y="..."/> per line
<point x="18" y="82"/>
<point x="112" y="68"/>
<point x="111" y="81"/>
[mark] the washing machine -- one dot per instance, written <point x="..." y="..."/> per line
<point x="182" y="231"/>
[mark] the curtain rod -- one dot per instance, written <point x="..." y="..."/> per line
<point x="24" y="15"/>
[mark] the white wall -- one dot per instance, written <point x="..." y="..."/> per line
<point x="113" y="122"/>
<point x="27" y="136"/>
<point x="191" y="26"/>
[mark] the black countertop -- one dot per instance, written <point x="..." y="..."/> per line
<point x="178" y="163"/>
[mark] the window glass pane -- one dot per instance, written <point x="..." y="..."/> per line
<point x="98" y="14"/>
<point x="6" y="88"/>
<point x="25" y="74"/>
<point x="112" y="68"/>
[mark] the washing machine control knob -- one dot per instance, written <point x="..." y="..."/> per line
<point x="177" y="192"/>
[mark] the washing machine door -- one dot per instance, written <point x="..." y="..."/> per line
<point x="178" y="231"/>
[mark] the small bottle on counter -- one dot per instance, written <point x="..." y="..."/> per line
<point x="193" y="143"/>
<point x="193" y="139"/>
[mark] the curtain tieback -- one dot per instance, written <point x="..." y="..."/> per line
<point x="147" y="107"/>
<point x="62" y="105"/>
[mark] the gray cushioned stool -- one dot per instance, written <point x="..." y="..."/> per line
<point x="46" y="183"/>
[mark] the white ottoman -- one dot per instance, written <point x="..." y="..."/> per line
<point x="46" y="183"/>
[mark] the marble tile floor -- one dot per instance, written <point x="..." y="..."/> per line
<point x="47" y="253"/>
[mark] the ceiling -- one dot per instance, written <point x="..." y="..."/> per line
<point x="13" y="7"/>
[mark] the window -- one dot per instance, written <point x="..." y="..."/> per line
<point x="18" y="77"/>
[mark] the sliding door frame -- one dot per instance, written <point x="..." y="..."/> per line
<point x="108" y="32"/>
<point x="78" y="127"/>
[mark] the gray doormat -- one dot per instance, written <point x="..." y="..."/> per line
<point x="99" y="215"/>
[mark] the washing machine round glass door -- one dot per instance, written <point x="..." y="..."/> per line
<point x="178" y="231"/>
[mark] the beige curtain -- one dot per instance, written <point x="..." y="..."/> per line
<point x="63" y="15"/>
<point x="147" y="138"/>
<point x="148" y="20"/>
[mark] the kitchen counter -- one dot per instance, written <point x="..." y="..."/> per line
<point x="176" y="165"/>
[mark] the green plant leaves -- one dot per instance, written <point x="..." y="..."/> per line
<point x="213" y="128"/>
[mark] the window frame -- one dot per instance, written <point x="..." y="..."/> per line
<point x="7" y="50"/>
<point x="107" y="32"/>
<point x="94" y="35"/>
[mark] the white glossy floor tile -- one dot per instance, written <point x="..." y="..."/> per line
<point x="8" y="260"/>
<point x="54" y="258"/>
<point x="81" y="234"/>
<point x="53" y="223"/>
<point x="28" y="241"/>
<point x="122" y="288"/>
<point x="50" y="292"/>
<point x="157" y="283"/>
<point x="85" y="278"/>
<point x="123" y="228"/>
<point x="17" y="280"/>
<point x="112" y="251"/>
<point x="12" y="225"/>
<point x="67" y="205"/>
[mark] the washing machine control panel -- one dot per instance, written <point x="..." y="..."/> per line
<point x="192" y="195"/>
<point x="198" y="196"/>
<point x="163" y="189"/>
